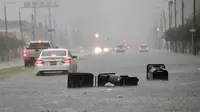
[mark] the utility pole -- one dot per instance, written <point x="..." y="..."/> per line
<point x="165" y="29"/>
<point x="183" y="7"/>
<point x="158" y="37"/>
<point x="33" y="26"/>
<point x="45" y="28"/>
<point x="161" y="30"/>
<point x="194" y="27"/>
<point x="170" y="2"/>
<point x="170" y="12"/>
<point x="49" y="10"/>
<point x="6" y="21"/>
<point x="164" y="20"/>
<point x="54" y="27"/>
<point x="20" y="24"/>
<point x="35" y="20"/>
<point x="175" y="14"/>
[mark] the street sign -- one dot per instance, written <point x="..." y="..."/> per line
<point x="192" y="30"/>
<point x="50" y="30"/>
<point x="41" y="4"/>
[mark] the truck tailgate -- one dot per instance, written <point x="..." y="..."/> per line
<point x="33" y="52"/>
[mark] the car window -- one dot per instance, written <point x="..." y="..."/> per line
<point x="56" y="53"/>
<point x="143" y="46"/>
<point x="39" y="45"/>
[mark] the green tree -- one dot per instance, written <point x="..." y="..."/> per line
<point x="8" y="44"/>
<point x="181" y="37"/>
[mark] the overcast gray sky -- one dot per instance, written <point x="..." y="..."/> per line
<point x="116" y="19"/>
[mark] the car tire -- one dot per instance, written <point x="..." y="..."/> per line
<point x="66" y="72"/>
<point x="32" y="64"/>
<point x="26" y="64"/>
<point x="40" y="73"/>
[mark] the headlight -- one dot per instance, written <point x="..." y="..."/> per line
<point x="105" y="49"/>
<point x="97" y="50"/>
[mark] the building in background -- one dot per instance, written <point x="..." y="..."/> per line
<point x="27" y="35"/>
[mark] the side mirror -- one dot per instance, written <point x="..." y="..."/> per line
<point x="74" y="57"/>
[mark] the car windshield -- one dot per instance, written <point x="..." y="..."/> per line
<point x="54" y="53"/>
<point x="39" y="45"/>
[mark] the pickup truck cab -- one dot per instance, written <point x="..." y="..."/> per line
<point x="33" y="50"/>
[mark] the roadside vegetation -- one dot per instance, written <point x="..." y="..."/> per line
<point x="12" y="71"/>
<point x="10" y="48"/>
<point x="180" y="38"/>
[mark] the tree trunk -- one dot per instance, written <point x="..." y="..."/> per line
<point x="183" y="47"/>
<point x="176" y="46"/>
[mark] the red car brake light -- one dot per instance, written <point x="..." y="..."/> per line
<point x="67" y="61"/>
<point x="39" y="41"/>
<point x="24" y="53"/>
<point x="40" y="62"/>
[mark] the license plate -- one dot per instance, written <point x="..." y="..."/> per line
<point x="53" y="63"/>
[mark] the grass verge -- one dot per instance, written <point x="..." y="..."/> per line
<point x="12" y="70"/>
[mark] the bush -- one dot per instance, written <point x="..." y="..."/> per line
<point x="9" y="47"/>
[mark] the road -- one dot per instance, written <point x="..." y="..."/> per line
<point x="27" y="93"/>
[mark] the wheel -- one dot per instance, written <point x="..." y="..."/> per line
<point x="26" y="63"/>
<point x="40" y="73"/>
<point x="65" y="72"/>
<point x="32" y="64"/>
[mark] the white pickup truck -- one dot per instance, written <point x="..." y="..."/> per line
<point x="33" y="50"/>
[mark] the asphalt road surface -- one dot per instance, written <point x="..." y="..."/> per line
<point x="27" y="93"/>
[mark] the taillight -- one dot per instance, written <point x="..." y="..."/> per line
<point x="24" y="53"/>
<point x="140" y="48"/>
<point x="67" y="61"/>
<point x="39" y="41"/>
<point x="147" y="48"/>
<point x="40" y="62"/>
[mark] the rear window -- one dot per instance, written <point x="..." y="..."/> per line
<point x="144" y="46"/>
<point x="54" y="53"/>
<point x="39" y="45"/>
<point x="120" y="46"/>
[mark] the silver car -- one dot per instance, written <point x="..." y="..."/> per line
<point x="143" y="48"/>
<point x="56" y="60"/>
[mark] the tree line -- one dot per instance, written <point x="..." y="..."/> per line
<point x="180" y="38"/>
<point x="10" y="48"/>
